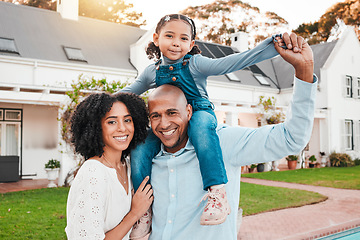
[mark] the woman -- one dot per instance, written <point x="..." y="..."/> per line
<point x="104" y="129"/>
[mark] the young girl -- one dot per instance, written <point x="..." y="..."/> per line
<point x="179" y="63"/>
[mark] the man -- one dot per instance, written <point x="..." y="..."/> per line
<point x="176" y="178"/>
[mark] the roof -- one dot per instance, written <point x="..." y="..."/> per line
<point x="276" y="71"/>
<point x="41" y="34"/>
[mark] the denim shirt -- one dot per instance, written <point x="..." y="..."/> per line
<point x="176" y="178"/>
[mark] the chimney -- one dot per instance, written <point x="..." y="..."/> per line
<point x="239" y="40"/>
<point x="68" y="9"/>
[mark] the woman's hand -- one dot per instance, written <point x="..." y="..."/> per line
<point x="142" y="199"/>
<point x="141" y="202"/>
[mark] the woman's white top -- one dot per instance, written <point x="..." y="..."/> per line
<point x="97" y="202"/>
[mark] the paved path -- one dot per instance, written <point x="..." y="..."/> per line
<point x="339" y="212"/>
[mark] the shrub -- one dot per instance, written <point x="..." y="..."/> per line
<point x="312" y="158"/>
<point x="52" y="163"/>
<point x="292" y="157"/>
<point x="340" y="160"/>
<point x="357" y="161"/>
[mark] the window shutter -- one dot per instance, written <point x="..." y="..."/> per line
<point x="343" y="135"/>
<point x="357" y="135"/>
<point x="343" y="86"/>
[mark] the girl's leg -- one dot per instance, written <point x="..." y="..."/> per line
<point x="141" y="158"/>
<point x="203" y="136"/>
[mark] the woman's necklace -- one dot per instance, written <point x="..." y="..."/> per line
<point x="123" y="164"/>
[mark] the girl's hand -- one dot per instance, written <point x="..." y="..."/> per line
<point x="142" y="199"/>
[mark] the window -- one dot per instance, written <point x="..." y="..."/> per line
<point x="232" y="77"/>
<point x="358" y="136"/>
<point x="10" y="132"/>
<point x="12" y="115"/>
<point x="358" y="87"/>
<point x="262" y="80"/>
<point x="349" y="145"/>
<point x="348" y="86"/>
<point x="74" y="54"/>
<point x="8" y="45"/>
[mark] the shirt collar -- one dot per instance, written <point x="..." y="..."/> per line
<point x="187" y="147"/>
<point x="168" y="61"/>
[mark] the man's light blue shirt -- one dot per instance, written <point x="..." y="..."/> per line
<point x="177" y="181"/>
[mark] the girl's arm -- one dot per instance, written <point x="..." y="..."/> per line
<point x="144" y="82"/>
<point x="141" y="202"/>
<point x="234" y="62"/>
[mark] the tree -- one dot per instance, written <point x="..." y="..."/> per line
<point x="112" y="11"/>
<point x="107" y="10"/>
<point x="45" y="4"/>
<point x="216" y="21"/>
<point x="320" y="31"/>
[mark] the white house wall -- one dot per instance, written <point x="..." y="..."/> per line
<point x="54" y="74"/>
<point x="28" y="84"/>
<point x="345" y="60"/>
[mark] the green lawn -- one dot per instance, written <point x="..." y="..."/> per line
<point x="337" y="177"/>
<point x="40" y="214"/>
<point x="258" y="198"/>
<point x="34" y="214"/>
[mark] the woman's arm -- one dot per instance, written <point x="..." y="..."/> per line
<point x="141" y="202"/>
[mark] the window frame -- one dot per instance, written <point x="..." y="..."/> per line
<point x="349" y="136"/>
<point x="9" y="50"/>
<point x="348" y="86"/>
<point x="264" y="81"/>
<point x="358" y="87"/>
<point x="71" y="57"/>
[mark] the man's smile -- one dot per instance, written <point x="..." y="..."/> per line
<point x="168" y="133"/>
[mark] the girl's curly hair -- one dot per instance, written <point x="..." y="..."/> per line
<point x="86" y="130"/>
<point x="152" y="51"/>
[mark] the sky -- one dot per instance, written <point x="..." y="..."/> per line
<point x="294" y="11"/>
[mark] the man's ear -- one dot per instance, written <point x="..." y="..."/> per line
<point x="189" y="111"/>
<point x="156" y="39"/>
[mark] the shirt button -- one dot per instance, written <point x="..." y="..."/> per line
<point x="174" y="79"/>
<point x="172" y="195"/>
<point x="171" y="68"/>
<point x="171" y="170"/>
<point x="170" y="221"/>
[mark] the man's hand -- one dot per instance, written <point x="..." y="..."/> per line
<point x="298" y="54"/>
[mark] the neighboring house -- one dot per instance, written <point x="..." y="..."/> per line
<point x="42" y="52"/>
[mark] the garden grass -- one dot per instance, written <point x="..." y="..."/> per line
<point x="33" y="214"/>
<point x="336" y="177"/>
<point x="41" y="214"/>
<point x="258" y="198"/>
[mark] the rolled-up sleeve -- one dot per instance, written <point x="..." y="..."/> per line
<point x="244" y="146"/>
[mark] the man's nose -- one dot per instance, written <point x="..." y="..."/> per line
<point x="164" y="122"/>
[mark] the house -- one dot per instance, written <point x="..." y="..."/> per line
<point x="42" y="52"/>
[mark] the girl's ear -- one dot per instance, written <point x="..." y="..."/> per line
<point x="192" y="44"/>
<point x="156" y="39"/>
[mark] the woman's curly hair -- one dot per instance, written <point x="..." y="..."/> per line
<point x="152" y="51"/>
<point x="86" y="130"/>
